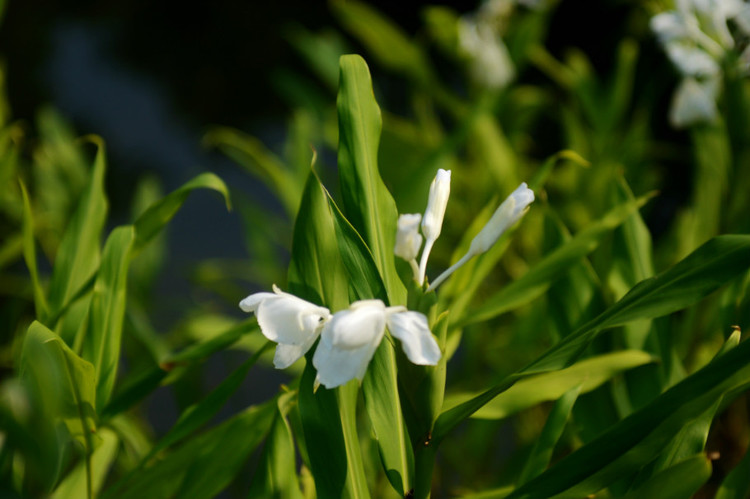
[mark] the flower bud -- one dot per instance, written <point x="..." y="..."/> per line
<point x="508" y="213"/>
<point x="440" y="191"/>
<point x="408" y="239"/>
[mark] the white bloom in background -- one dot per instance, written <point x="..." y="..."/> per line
<point x="432" y="222"/>
<point x="409" y="240"/>
<point x="696" y="37"/>
<point x="290" y="321"/>
<point x="694" y="102"/>
<point x="692" y="61"/>
<point x="489" y="60"/>
<point x="508" y="213"/>
<point x="349" y="340"/>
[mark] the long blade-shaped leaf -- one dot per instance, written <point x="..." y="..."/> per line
<point x="380" y="385"/>
<point x="29" y="254"/>
<point x="316" y="274"/>
<point x="367" y="203"/>
<point x="205" y="465"/>
<point x="64" y="382"/>
<point x="78" y="256"/>
<point x="638" y="439"/>
<point x="703" y="271"/>
<point x="101" y="345"/>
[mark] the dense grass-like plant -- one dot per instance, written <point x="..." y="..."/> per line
<point x="549" y="309"/>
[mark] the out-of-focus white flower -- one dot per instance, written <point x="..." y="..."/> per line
<point x="409" y="240"/>
<point x="692" y="61"/>
<point x="490" y="64"/>
<point x="432" y="222"/>
<point x="694" y="102"/>
<point x="349" y="340"/>
<point x="696" y="37"/>
<point x="508" y="213"/>
<point x="290" y="321"/>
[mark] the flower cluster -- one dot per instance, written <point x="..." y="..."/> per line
<point x="348" y="338"/>
<point x="408" y="239"/>
<point x="697" y="38"/>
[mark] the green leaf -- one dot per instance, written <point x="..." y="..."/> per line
<point x="316" y="273"/>
<point x="380" y="384"/>
<point x="383" y="38"/>
<point x="74" y="485"/>
<point x="367" y="203"/>
<point x="101" y="343"/>
<point x="707" y="268"/>
<point x="638" y="439"/>
<point x="558" y="417"/>
<point x="201" y="412"/>
<point x="538" y="279"/>
<point x="703" y="271"/>
<point x="205" y="465"/>
<point x="680" y="480"/>
<point x="276" y="475"/>
<point x="29" y="254"/>
<point x="531" y="391"/>
<point x="153" y="220"/>
<point x="63" y="382"/>
<point x="221" y="341"/>
<point x="335" y="461"/>
<point x="251" y="154"/>
<point x="78" y="256"/>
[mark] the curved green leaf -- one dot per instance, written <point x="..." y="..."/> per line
<point x="101" y="343"/>
<point x="153" y="220"/>
<point x="78" y="256"/>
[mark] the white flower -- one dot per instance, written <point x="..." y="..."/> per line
<point x="290" y="321"/>
<point x="432" y="222"/>
<point x="692" y="61"/>
<point x="409" y="240"/>
<point x="509" y="212"/>
<point x="490" y="63"/>
<point x="350" y="338"/>
<point x="694" y="102"/>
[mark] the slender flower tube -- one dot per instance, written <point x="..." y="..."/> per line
<point x="432" y="222"/>
<point x="408" y="241"/>
<point x="509" y="212"/>
<point x="349" y="340"/>
<point x="290" y="321"/>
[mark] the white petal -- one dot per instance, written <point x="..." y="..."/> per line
<point x="286" y="354"/>
<point x="416" y="339"/>
<point x="288" y="319"/>
<point x="362" y="324"/>
<point x="692" y="61"/>
<point x="408" y="239"/>
<point x="693" y="103"/>
<point x="337" y="366"/>
<point x="250" y="303"/>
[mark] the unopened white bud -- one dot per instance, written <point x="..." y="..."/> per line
<point x="408" y="239"/>
<point x="440" y="191"/>
<point x="508" y="213"/>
